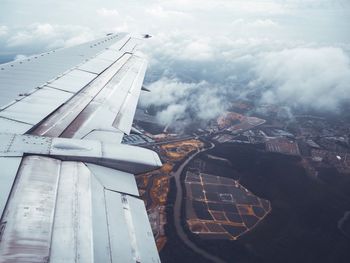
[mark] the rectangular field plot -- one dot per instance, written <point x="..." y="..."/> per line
<point x="192" y="177"/>
<point x="215" y="207"/>
<point x="197" y="192"/>
<point x="207" y="179"/>
<point x="221" y="208"/>
<point x="233" y="217"/>
<point x="218" y="216"/>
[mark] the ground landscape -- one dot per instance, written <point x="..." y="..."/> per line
<point x="251" y="186"/>
<point x="246" y="102"/>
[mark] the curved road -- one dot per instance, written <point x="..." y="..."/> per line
<point x="177" y="211"/>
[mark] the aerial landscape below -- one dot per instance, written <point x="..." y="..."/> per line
<point x="264" y="185"/>
<point x="175" y="131"/>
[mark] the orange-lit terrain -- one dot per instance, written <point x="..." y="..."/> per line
<point x="235" y="122"/>
<point x="229" y="118"/>
<point x="154" y="186"/>
<point x="282" y="145"/>
<point x="174" y="152"/>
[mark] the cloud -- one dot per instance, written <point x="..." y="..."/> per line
<point x="293" y="74"/>
<point x="104" y="12"/>
<point x="20" y="57"/>
<point x="251" y="24"/>
<point x="38" y="37"/>
<point x="165" y="90"/>
<point x="188" y="102"/>
<point x="232" y="6"/>
<point x="317" y="78"/>
<point x="158" y="11"/>
<point x="171" y="113"/>
<point x="3" y="30"/>
<point x="197" y="50"/>
<point x="262" y="23"/>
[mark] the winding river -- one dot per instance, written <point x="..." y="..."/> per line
<point x="177" y="210"/>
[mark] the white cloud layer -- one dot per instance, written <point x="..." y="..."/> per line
<point x="107" y="12"/>
<point x="310" y="77"/>
<point x="183" y="101"/>
<point x="3" y="30"/>
<point x="38" y="37"/>
<point x="205" y="53"/>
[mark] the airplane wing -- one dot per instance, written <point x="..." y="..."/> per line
<point x="67" y="186"/>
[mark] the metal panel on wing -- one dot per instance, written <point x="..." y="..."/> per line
<point x="120" y="44"/>
<point x="122" y="246"/>
<point x="29" y="143"/>
<point x="105" y="136"/>
<point x="28" y="218"/>
<point x="111" y="102"/>
<point x="110" y="55"/>
<point x="73" y="81"/>
<point x="143" y="232"/>
<point x="102" y="251"/>
<point x="95" y="65"/>
<point x="9" y="167"/>
<point x="125" y="116"/>
<point x="134" y="241"/>
<point x="7" y="125"/>
<point x="130" y="45"/>
<point x="35" y="107"/>
<point x="72" y="229"/>
<point x="114" y="180"/>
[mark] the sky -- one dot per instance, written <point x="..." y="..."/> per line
<point x="205" y="53"/>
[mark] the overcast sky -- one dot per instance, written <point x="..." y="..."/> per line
<point x="205" y="50"/>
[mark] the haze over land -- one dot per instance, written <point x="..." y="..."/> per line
<point x="204" y="54"/>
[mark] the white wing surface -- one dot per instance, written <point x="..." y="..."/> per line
<point x="67" y="186"/>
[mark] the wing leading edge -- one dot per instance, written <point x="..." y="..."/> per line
<point x="68" y="193"/>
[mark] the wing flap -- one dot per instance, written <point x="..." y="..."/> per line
<point x="143" y="233"/>
<point x="130" y="238"/>
<point x="102" y="252"/>
<point x="72" y="239"/>
<point x="9" y="168"/>
<point x="122" y="247"/>
<point x="28" y="218"/>
<point x="114" y="180"/>
<point x="117" y="100"/>
<point x="64" y="211"/>
<point x="125" y="116"/>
